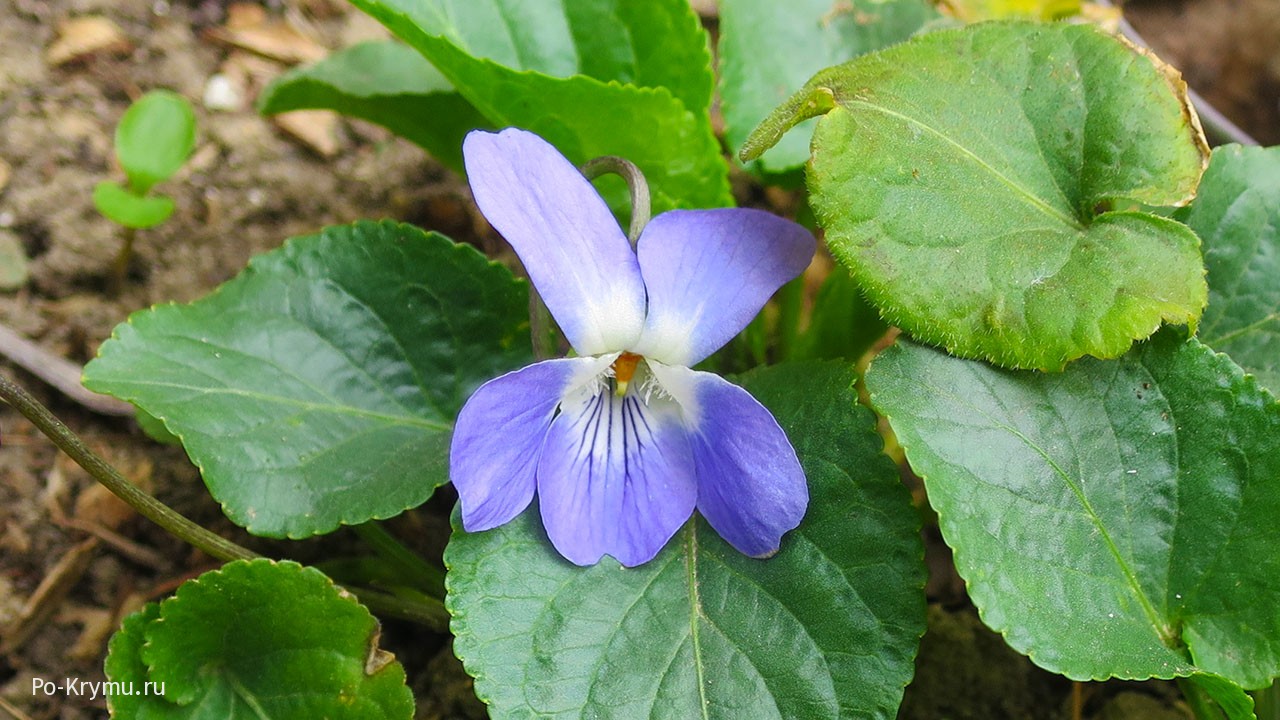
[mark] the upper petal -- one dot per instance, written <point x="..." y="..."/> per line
<point x="569" y="242"/>
<point x="751" y="487"/>
<point x="707" y="274"/>
<point x="616" y="477"/>
<point x="498" y="437"/>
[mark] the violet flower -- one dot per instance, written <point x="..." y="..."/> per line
<point x="623" y="442"/>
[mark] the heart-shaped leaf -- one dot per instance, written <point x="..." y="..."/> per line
<point x="978" y="184"/>
<point x="256" y="639"/>
<point x="826" y="628"/>
<point x="1237" y="215"/>
<point x="319" y="386"/>
<point x="1117" y="519"/>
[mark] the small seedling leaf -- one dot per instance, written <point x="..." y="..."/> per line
<point x="130" y="210"/>
<point x="154" y="138"/>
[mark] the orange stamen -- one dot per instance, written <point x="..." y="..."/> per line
<point x="624" y="368"/>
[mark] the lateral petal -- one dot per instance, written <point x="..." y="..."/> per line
<point x="576" y="255"/>
<point x="493" y="456"/>
<point x="708" y="272"/>
<point x="751" y="487"/>
<point x="616" y="477"/>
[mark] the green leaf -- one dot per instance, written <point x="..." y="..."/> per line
<point x="843" y="325"/>
<point x="625" y="78"/>
<point x="130" y="210"/>
<point x="155" y="429"/>
<point x="1233" y="700"/>
<point x="977" y="183"/>
<point x="1237" y="215"/>
<point x="319" y="387"/>
<point x="260" y="639"/>
<point x="769" y="49"/>
<point x="826" y="628"/>
<point x="386" y="83"/>
<point x="1113" y="520"/>
<point x="154" y="138"/>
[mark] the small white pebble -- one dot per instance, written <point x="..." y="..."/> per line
<point x="256" y="197"/>
<point x="6" y="219"/>
<point x="160" y="8"/>
<point x="221" y="94"/>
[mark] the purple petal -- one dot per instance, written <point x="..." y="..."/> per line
<point x="751" y="488"/>
<point x="569" y="242"/>
<point x="496" y="442"/>
<point x="707" y="274"/>
<point x="616" y="477"/>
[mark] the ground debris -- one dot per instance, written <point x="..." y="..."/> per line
<point x="317" y="129"/>
<point x="82" y="37"/>
<point x="248" y="27"/>
<point x="48" y="595"/>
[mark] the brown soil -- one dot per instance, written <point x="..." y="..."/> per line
<point x="248" y="187"/>
<point x="1228" y="51"/>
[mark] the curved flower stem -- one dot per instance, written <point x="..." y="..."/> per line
<point x="1216" y="125"/>
<point x="146" y="504"/>
<point x="640" y="202"/>
<point x="539" y="316"/>
<point x="426" y="576"/>
<point x="540" y="325"/>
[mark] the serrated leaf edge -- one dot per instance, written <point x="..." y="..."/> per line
<point x="252" y="267"/>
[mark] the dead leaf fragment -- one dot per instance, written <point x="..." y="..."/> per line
<point x="97" y="505"/>
<point x="48" y="595"/>
<point x="82" y="37"/>
<point x="97" y="625"/>
<point x="249" y="28"/>
<point x="317" y="129"/>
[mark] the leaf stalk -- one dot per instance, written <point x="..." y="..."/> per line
<point x="146" y="504"/>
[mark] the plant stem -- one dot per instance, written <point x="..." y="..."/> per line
<point x="146" y="504"/>
<point x="640" y="202"/>
<point x="120" y="268"/>
<point x="1266" y="702"/>
<point x="429" y="612"/>
<point x="540" y="326"/>
<point x="423" y="574"/>
<point x="1201" y="706"/>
